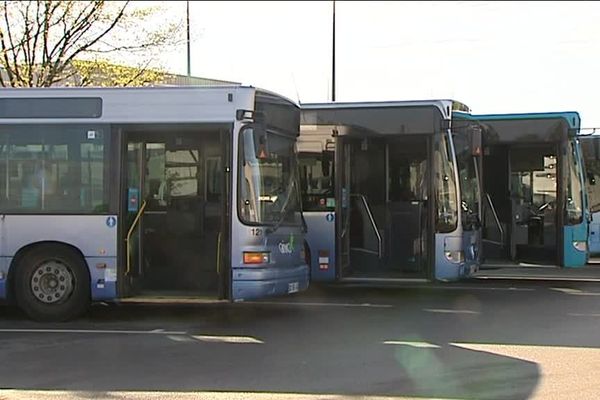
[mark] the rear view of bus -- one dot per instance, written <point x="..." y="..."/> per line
<point x="382" y="192"/>
<point x="147" y="194"/>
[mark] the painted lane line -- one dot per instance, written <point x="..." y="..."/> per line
<point x="596" y="315"/>
<point x="182" y="338"/>
<point x="508" y="289"/>
<point x="539" y="278"/>
<point x="575" y="292"/>
<point x="14" y="394"/>
<point x="419" y="345"/>
<point x="95" y="331"/>
<point x="566" y="290"/>
<point x="450" y="311"/>
<point x="308" y="304"/>
<point x="228" y="339"/>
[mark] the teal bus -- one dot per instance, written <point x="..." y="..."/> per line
<point x="533" y="189"/>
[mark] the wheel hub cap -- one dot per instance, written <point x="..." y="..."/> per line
<point x="52" y="282"/>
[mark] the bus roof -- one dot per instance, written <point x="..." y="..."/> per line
<point x="161" y="104"/>
<point x="442" y="104"/>
<point x="379" y="118"/>
<point x="571" y="117"/>
<point x="524" y="127"/>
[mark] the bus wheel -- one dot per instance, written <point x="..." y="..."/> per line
<point x="52" y="283"/>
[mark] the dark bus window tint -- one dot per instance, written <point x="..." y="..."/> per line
<point x="54" y="168"/>
<point x="316" y="180"/>
<point x="52" y="107"/>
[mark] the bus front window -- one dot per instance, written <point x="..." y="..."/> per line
<point x="268" y="190"/>
<point x="469" y="184"/>
<point x="574" y="206"/>
<point x="445" y="186"/>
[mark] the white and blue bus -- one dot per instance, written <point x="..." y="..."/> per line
<point x="386" y="193"/>
<point x="534" y="195"/>
<point x="143" y="192"/>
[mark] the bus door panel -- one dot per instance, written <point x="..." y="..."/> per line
<point x="174" y="211"/>
<point x="193" y="212"/>
<point x="496" y="218"/>
<point x="407" y="204"/>
<point x="343" y="163"/>
<point x="134" y="208"/>
<point x="533" y="194"/>
<point x="590" y="148"/>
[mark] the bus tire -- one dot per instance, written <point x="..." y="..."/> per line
<point x="52" y="284"/>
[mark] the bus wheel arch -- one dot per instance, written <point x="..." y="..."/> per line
<point x="64" y="279"/>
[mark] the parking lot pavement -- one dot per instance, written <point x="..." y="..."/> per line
<point x="487" y="340"/>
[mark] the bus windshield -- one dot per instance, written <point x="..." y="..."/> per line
<point x="268" y="178"/>
<point x="469" y="185"/>
<point x="574" y="204"/>
<point x="445" y="184"/>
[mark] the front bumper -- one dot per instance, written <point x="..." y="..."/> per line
<point x="251" y="283"/>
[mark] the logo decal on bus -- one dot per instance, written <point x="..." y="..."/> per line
<point x="287" y="248"/>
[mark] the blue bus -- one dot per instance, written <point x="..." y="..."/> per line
<point x="535" y="204"/>
<point x="387" y="194"/>
<point x="107" y="194"/>
<point x="590" y="145"/>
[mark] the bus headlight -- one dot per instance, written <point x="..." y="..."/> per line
<point x="581" y="246"/>
<point x="255" y="257"/>
<point x="455" y="256"/>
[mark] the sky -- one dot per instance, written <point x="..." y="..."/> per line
<point x="496" y="57"/>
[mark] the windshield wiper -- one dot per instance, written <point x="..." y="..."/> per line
<point x="284" y="207"/>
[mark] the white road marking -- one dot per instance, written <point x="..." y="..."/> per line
<point x="508" y="289"/>
<point x="382" y="280"/>
<point x="168" y="395"/>
<point x="584" y="315"/>
<point x="228" y="339"/>
<point x="95" y="331"/>
<point x="540" y="278"/>
<point x="566" y="290"/>
<point x="576" y="292"/>
<point x="181" y="338"/>
<point x="309" y="304"/>
<point x="565" y="372"/>
<point x="450" y="311"/>
<point x="419" y="345"/>
<point x="177" y="336"/>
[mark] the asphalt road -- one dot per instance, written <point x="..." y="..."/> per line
<point x="481" y="340"/>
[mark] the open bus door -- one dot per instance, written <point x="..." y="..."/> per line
<point x="173" y="207"/>
<point x="343" y="159"/>
<point x="590" y="147"/>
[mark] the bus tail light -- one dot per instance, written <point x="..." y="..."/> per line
<point x="581" y="246"/>
<point x="255" y="257"/>
<point x="455" y="256"/>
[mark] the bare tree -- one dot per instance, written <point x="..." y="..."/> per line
<point x="45" y="43"/>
